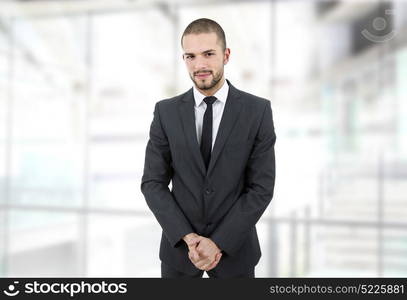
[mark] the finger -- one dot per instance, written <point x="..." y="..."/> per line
<point x="200" y="247"/>
<point x="191" y="256"/>
<point x="194" y="249"/>
<point x="194" y="254"/>
<point x="209" y="262"/>
<point x="203" y="243"/>
<point x="200" y="262"/>
<point x="196" y="239"/>
<point x="206" y="266"/>
<point x="203" y="263"/>
<point x="215" y="262"/>
<point x="213" y="265"/>
<point x="192" y="242"/>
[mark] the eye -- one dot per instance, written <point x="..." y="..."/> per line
<point x="189" y="56"/>
<point x="209" y="54"/>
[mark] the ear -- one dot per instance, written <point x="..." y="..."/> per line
<point x="226" y="56"/>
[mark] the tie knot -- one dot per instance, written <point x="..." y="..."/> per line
<point x="209" y="100"/>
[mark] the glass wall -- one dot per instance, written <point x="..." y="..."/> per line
<point x="77" y="93"/>
<point x="47" y="112"/>
<point x="129" y="73"/>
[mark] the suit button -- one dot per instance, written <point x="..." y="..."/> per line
<point x="207" y="191"/>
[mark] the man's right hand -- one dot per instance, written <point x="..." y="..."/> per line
<point x="192" y="240"/>
<point x="201" y="262"/>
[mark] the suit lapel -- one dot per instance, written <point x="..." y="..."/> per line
<point x="187" y="113"/>
<point x="229" y="117"/>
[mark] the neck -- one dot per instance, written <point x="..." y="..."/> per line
<point x="213" y="90"/>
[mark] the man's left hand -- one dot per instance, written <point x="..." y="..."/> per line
<point x="209" y="254"/>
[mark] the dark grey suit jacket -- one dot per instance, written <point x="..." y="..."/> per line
<point x="223" y="203"/>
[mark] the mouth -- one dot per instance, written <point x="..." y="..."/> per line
<point x="203" y="75"/>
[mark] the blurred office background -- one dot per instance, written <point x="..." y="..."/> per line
<point x="78" y="84"/>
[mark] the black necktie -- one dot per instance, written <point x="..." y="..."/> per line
<point x="206" y="140"/>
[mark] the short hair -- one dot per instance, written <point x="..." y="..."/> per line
<point x="205" y="25"/>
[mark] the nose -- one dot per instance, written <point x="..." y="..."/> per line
<point x="200" y="63"/>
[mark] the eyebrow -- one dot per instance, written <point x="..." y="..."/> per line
<point x="206" y="51"/>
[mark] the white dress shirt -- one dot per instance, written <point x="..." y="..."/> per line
<point x="217" y="109"/>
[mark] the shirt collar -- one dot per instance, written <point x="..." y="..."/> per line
<point x="221" y="94"/>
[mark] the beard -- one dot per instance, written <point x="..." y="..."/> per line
<point x="203" y="84"/>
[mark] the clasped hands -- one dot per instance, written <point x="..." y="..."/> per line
<point x="203" y="252"/>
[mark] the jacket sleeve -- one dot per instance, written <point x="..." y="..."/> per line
<point x="154" y="184"/>
<point x="258" y="192"/>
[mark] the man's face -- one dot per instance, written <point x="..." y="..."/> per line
<point x="205" y="59"/>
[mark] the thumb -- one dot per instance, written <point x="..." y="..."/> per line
<point x="194" y="240"/>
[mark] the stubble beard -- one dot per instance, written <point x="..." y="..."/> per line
<point x="207" y="86"/>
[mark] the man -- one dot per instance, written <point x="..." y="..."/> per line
<point x="216" y="144"/>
